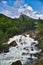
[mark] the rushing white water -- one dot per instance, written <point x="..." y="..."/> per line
<point x="24" y="51"/>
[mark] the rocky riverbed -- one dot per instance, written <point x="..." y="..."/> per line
<point x="24" y="49"/>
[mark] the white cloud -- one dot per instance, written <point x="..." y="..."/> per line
<point x="15" y="11"/>
<point x="29" y="8"/>
<point x="4" y="2"/>
<point x="18" y="3"/>
<point x="10" y="12"/>
<point x="20" y="10"/>
<point x="39" y="15"/>
<point x="25" y="5"/>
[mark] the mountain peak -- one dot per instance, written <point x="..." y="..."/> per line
<point x="25" y="16"/>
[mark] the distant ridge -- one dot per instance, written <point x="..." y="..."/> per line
<point x="21" y="16"/>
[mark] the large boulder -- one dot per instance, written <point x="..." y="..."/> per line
<point x="4" y="48"/>
<point x="16" y="63"/>
<point x="13" y="43"/>
<point x="32" y="34"/>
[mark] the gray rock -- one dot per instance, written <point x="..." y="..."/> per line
<point x="13" y="43"/>
<point x="17" y="63"/>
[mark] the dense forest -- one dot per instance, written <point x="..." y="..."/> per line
<point x="10" y="27"/>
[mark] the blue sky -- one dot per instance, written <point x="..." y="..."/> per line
<point x="13" y="8"/>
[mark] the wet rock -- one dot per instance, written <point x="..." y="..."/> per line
<point x="25" y="42"/>
<point x="16" y="63"/>
<point x="26" y="49"/>
<point x="20" y="40"/>
<point x="24" y="35"/>
<point x="25" y="53"/>
<point x="32" y="49"/>
<point x="17" y="47"/>
<point x="32" y="34"/>
<point x="4" y="51"/>
<point x="22" y="43"/>
<point x="33" y="43"/>
<point x="4" y="48"/>
<point x="30" y="58"/>
<point x="13" y="43"/>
